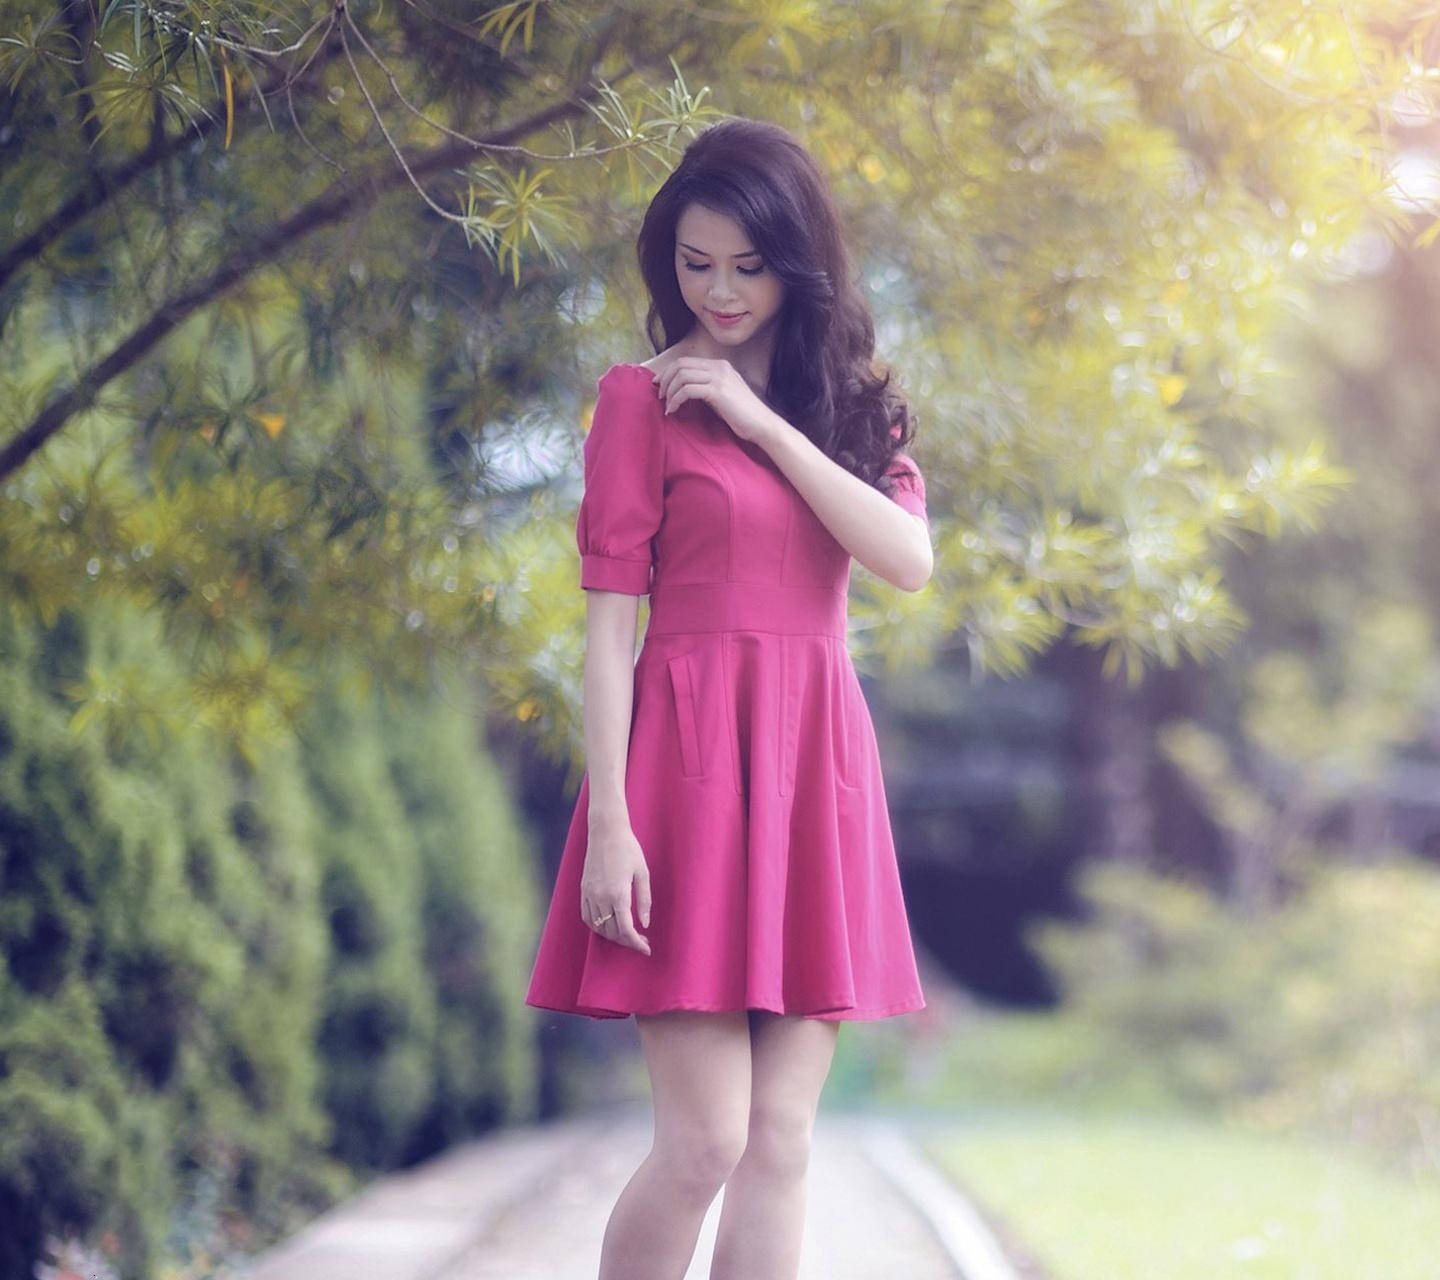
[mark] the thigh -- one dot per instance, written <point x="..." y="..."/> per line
<point x="699" y="1065"/>
<point x="790" y="1059"/>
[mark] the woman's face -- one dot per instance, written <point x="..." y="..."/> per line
<point x="732" y="290"/>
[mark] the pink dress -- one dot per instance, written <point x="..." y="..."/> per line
<point x="753" y="778"/>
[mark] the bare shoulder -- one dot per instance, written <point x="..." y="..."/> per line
<point x="659" y="363"/>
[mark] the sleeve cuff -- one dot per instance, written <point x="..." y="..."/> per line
<point x="606" y="573"/>
<point x="912" y="502"/>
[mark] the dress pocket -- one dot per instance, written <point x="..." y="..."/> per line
<point x="682" y="687"/>
<point x="850" y="713"/>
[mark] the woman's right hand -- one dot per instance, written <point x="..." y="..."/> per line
<point x="614" y="862"/>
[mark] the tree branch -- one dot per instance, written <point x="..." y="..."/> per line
<point x="104" y="184"/>
<point x="346" y="197"/>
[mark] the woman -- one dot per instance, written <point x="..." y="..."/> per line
<point x="729" y="875"/>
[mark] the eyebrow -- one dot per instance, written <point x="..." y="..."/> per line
<point x="749" y="253"/>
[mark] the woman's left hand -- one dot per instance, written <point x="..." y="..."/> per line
<point x="719" y="384"/>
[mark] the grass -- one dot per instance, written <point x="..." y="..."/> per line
<point x="1131" y="1197"/>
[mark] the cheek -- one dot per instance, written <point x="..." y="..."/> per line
<point x="773" y="295"/>
<point x="690" y="287"/>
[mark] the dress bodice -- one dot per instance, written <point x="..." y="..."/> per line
<point x="680" y="499"/>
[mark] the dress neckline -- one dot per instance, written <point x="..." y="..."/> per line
<point x="754" y="451"/>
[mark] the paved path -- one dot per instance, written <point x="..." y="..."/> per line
<point x="532" y="1204"/>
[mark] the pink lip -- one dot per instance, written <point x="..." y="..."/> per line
<point x="728" y="320"/>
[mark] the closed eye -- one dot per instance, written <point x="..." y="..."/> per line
<point x="705" y="266"/>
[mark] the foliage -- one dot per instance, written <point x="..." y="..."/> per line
<point x="1321" y="1015"/>
<point x="1009" y="1058"/>
<point x="195" y="950"/>
<point x="1315" y="731"/>
<point x="300" y="388"/>
<point x="480" y="909"/>
<point x="1105" y="209"/>
<point x="424" y="880"/>
<point x="160" y="969"/>
<point x="1320" y="729"/>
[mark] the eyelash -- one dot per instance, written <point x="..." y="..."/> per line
<point x="744" y="271"/>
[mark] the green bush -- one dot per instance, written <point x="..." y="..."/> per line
<point x="158" y="970"/>
<point x="481" y="910"/>
<point x="1323" y="1013"/>
<point x="379" y="1014"/>
<point x="240" y="987"/>
<point x="432" y="910"/>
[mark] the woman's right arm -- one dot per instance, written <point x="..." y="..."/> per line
<point x="614" y="860"/>
<point x="620" y="514"/>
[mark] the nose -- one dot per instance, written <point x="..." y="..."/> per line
<point x="722" y="290"/>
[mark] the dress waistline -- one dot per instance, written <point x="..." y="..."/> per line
<point x="681" y="607"/>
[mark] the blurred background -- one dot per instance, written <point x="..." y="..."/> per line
<point x="301" y="312"/>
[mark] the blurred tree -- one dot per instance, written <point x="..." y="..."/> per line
<point x="1324" y="728"/>
<point x="1325" y="1018"/>
<point x="160" y="953"/>
<point x="298" y="438"/>
<point x="175" y="474"/>
<point x="316" y="455"/>
<point x="1306" y="749"/>
<point x="260" y="983"/>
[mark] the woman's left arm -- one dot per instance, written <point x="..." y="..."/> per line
<point x="887" y="539"/>
<point x="890" y="541"/>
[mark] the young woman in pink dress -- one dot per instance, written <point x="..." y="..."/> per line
<point x="729" y="876"/>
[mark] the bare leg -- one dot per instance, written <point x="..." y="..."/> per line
<point x="762" y="1217"/>
<point x="699" y="1066"/>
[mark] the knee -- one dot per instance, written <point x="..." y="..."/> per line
<point x="702" y="1158"/>
<point x="779" y="1141"/>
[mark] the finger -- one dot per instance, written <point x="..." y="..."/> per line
<point x="593" y="912"/>
<point x="665" y="383"/>
<point x="687" y="386"/>
<point x="627" y="933"/>
<point x="611" y="925"/>
<point x="642" y="897"/>
<point x="683" y="396"/>
<point x="666" y="377"/>
<point x="687" y="371"/>
<point x="691" y="381"/>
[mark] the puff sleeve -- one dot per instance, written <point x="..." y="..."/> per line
<point x="909" y="485"/>
<point x="623" y="497"/>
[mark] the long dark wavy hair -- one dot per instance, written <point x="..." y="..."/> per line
<point x="823" y="375"/>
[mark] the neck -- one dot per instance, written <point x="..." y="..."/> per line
<point x="751" y="359"/>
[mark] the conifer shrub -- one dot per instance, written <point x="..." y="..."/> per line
<point x="269" y="978"/>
